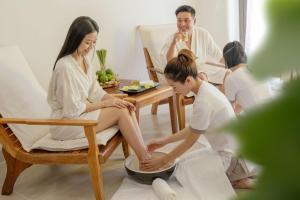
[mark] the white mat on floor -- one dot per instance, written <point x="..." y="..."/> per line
<point x="202" y="175"/>
<point x="200" y="172"/>
<point x="131" y="190"/>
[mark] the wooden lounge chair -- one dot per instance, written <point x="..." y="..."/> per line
<point x="17" y="159"/>
<point x="16" y="77"/>
<point x="181" y="100"/>
<point x="153" y="38"/>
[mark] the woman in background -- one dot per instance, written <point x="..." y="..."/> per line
<point x="74" y="92"/>
<point x="241" y="89"/>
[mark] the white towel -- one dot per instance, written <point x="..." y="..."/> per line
<point x="202" y="173"/>
<point x="162" y="190"/>
<point x="206" y="181"/>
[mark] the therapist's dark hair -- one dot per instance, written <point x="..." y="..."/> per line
<point x="182" y="66"/>
<point x="79" y="28"/>
<point x="234" y="54"/>
<point x="185" y="8"/>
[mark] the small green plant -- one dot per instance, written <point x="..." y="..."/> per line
<point x="105" y="75"/>
<point x="101" y="54"/>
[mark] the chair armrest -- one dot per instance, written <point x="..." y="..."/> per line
<point x="160" y="71"/>
<point x="157" y="70"/>
<point x="57" y="122"/>
<point x="120" y="96"/>
<point x="216" y="64"/>
<point x="131" y="100"/>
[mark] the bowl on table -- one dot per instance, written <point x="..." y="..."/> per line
<point x="145" y="177"/>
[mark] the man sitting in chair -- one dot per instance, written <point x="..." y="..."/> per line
<point x="200" y="42"/>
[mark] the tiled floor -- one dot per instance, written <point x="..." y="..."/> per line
<point x="73" y="181"/>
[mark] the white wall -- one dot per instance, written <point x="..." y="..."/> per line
<point x="219" y="17"/>
<point x="39" y="28"/>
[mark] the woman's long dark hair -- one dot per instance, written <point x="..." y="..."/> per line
<point x="79" y="28"/>
<point x="234" y="54"/>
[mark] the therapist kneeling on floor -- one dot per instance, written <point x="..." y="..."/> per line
<point x="211" y="109"/>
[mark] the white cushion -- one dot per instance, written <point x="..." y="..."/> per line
<point x="153" y="38"/>
<point x="47" y="143"/>
<point x="21" y="96"/>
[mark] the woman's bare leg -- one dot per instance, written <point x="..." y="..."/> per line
<point x="136" y="125"/>
<point x="128" y="126"/>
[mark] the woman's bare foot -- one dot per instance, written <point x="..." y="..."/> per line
<point x="146" y="157"/>
<point x="246" y="183"/>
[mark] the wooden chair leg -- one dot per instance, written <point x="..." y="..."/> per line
<point x="94" y="163"/>
<point x="96" y="176"/>
<point x="125" y="147"/>
<point x="173" y="114"/>
<point x="154" y="108"/>
<point x="14" y="169"/>
<point x="181" y="112"/>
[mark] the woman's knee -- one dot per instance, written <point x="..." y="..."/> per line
<point x="123" y="112"/>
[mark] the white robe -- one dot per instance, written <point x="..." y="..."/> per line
<point x="240" y="86"/>
<point x="205" y="49"/>
<point x="69" y="91"/>
<point x="211" y="110"/>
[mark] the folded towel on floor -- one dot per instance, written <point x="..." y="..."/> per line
<point x="162" y="190"/>
<point x="201" y="172"/>
<point x="131" y="190"/>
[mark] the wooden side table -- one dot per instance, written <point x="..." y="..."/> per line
<point x="149" y="97"/>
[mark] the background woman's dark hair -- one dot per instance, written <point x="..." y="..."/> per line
<point x="185" y="8"/>
<point x="234" y="54"/>
<point x="182" y="66"/>
<point x="80" y="27"/>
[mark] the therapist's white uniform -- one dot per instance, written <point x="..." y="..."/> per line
<point x="211" y="110"/>
<point x="69" y="91"/>
<point x="241" y="87"/>
<point x="205" y="49"/>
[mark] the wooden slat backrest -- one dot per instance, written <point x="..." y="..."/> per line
<point x="150" y="66"/>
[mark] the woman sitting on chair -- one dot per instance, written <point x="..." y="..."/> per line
<point x="75" y="93"/>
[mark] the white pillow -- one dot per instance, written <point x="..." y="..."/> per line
<point x="153" y="38"/>
<point x="21" y="96"/>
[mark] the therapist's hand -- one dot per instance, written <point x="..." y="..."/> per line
<point x="153" y="164"/>
<point x="155" y="144"/>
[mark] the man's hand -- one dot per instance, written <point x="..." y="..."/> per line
<point x="203" y="76"/>
<point x="177" y="37"/>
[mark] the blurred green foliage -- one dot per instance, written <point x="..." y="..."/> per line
<point x="281" y="49"/>
<point x="270" y="135"/>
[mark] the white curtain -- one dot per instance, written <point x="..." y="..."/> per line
<point x="256" y="25"/>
